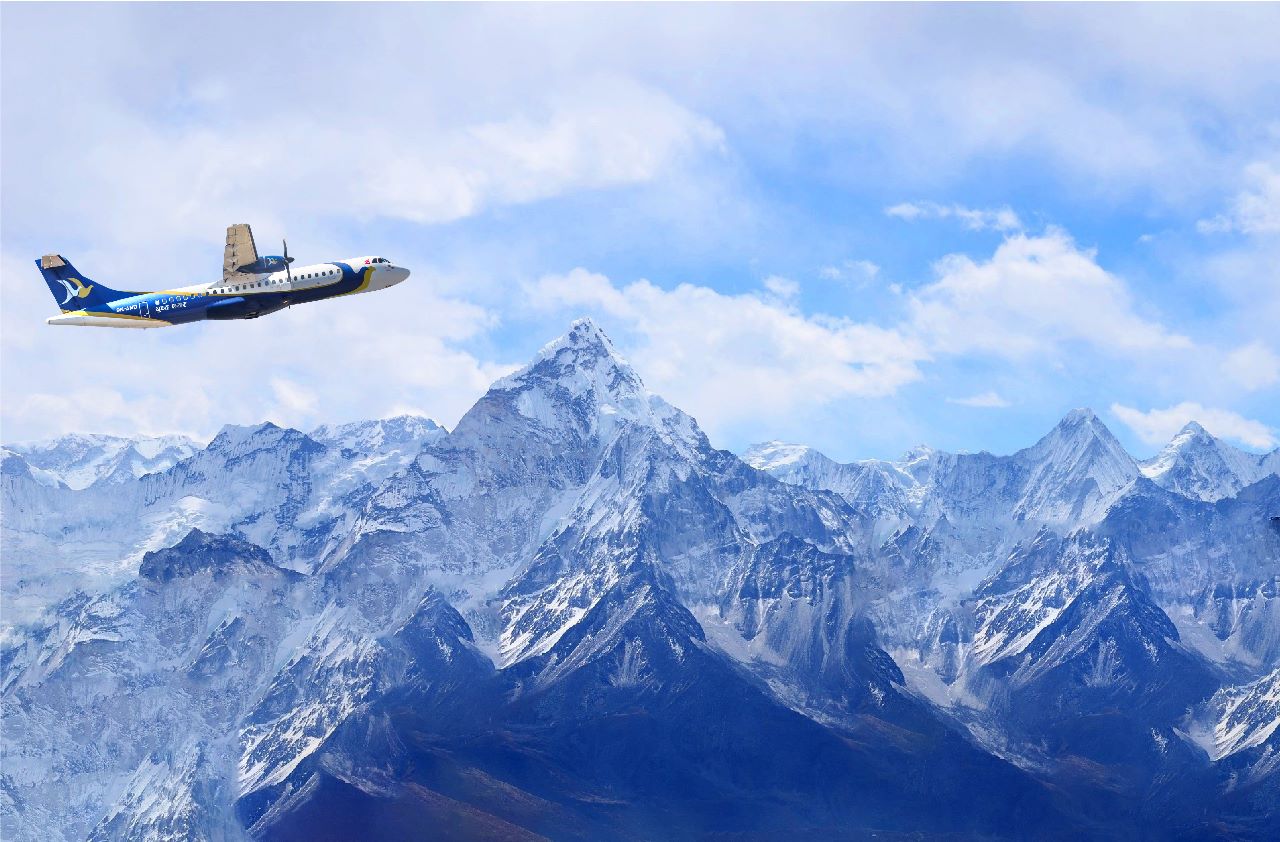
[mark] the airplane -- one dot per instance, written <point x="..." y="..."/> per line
<point x="251" y="286"/>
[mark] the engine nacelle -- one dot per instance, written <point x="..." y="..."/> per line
<point x="263" y="265"/>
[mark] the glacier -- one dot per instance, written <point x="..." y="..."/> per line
<point x="571" y="616"/>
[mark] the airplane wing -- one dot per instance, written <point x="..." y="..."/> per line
<point x="240" y="250"/>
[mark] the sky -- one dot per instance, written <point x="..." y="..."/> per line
<point x="861" y="227"/>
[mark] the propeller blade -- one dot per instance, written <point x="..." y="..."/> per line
<point x="288" y="274"/>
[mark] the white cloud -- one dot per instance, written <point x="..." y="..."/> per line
<point x="295" y="404"/>
<point x="857" y="271"/>
<point x="782" y="287"/>
<point x="975" y="219"/>
<point x="934" y="92"/>
<point x="985" y="400"/>
<point x="1256" y="209"/>
<point x="192" y="182"/>
<point x="732" y="357"/>
<point x="1254" y="366"/>
<point x="537" y="104"/>
<point x="1157" y="426"/>
<point x="728" y="358"/>
<point x="1214" y="224"/>
<point x="1035" y="295"/>
<point x="605" y="135"/>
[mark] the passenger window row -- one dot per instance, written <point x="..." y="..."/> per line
<point x="241" y="287"/>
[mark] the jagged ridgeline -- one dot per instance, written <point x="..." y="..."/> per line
<point x="571" y="617"/>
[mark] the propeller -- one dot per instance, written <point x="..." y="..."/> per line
<point x="288" y="274"/>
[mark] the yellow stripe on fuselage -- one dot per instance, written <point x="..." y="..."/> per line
<point x="364" y="285"/>
<point x="114" y="315"/>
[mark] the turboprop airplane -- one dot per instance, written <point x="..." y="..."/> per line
<point x="251" y="286"/>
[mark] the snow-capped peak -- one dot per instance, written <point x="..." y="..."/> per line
<point x="919" y="453"/>
<point x="584" y="333"/>
<point x="1194" y="428"/>
<point x="771" y="455"/>
<point x="234" y="437"/>
<point x="1076" y="471"/>
<point x="1196" y="464"/>
<point x="583" y="360"/>
<point x="1082" y="422"/>
<point x="1079" y="415"/>
<point x="581" y="380"/>
<point x="1189" y="438"/>
<point x="1081" y="435"/>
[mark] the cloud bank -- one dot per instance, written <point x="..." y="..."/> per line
<point x="1157" y="426"/>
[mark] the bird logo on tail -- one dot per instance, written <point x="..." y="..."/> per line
<point x="79" y="290"/>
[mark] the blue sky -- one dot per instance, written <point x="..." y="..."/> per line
<point x="861" y="227"/>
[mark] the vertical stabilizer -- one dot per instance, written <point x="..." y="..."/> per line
<point x="73" y="290"/>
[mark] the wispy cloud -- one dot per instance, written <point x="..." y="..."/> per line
<point x="985" y="400"/>
<point x="975" y="219"/>
<point x="782" y="287"/>
<point x="1254" y="366"/>
<point x="1157" y="426"/>
<point x="1255" y="209"/>
<point x="175" y="182"/>
<point x="856" y="271"/>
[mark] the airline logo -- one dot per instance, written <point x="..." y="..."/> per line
<point x="79" y="290"/>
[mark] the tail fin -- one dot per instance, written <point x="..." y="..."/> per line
<point x="71" y="289"/>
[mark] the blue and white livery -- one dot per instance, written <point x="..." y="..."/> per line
<point x="251" y="286"/>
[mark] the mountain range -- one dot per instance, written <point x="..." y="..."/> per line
<point x="572" y="617"/>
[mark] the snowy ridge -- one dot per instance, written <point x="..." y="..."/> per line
<point x="882" y="490"/>
<point x="1068" y="478"/>
<point x="283" y="628"/>
<point x="385" y="435"/>
<point x="82" y="460"/>
<point x="1242" y="718"/>
<point x="281" y="488"/>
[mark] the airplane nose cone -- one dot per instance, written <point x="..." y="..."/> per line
<point x="398" y="274"/>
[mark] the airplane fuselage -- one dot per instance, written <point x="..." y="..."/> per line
<point x="246" y="297"/>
